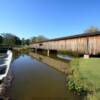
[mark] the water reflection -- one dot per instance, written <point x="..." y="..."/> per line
<point x="34" y="80"/>
<point x="56" y="63"/>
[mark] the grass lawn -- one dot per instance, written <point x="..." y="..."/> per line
<point x="89" y="72"/>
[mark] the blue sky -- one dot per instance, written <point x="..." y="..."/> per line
<point x="51" y="18"/>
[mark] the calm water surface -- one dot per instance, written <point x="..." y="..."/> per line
<point x="34" y="80"/>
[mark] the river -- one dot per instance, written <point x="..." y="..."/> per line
<point x="34" y="80"/>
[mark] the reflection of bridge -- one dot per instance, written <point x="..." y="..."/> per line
<point x="82" y="43"/>
<point x="55" y="63"/>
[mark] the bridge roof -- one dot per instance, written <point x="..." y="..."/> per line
<point x="73" y="36"/>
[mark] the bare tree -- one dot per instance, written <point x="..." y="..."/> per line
<point x="92" y="29"/>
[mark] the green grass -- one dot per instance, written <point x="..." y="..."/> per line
<point x="88" y="70"/>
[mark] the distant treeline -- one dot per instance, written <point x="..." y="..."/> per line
<point x="10" y="39"/>
<point x="13" y="40"/>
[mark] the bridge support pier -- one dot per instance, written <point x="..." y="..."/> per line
<point x="51" y="52"/>
<point x="48" y="52"/>
<point x="86" y="56"/>
<point x="35" y="50"/>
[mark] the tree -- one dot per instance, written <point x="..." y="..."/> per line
<point x="17" y="40"/>
<point x="10" y="39"/>
<point x="23" y="41"/>
<point x="39" y="38"/>
<point x="34" y="39"/>
<point x="92" y="29"/>
<point x="1" y="39"/>
<point x="27" y="41"/>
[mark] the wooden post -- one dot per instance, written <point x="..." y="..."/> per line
<point x="35" y="50"/>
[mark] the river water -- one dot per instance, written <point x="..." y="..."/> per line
<point x="34" y="80"/>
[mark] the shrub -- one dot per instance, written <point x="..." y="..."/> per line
<point x="71" y="85"/>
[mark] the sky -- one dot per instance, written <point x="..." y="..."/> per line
<point x="50" y="18"/>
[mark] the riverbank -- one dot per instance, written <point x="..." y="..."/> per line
<point x="86" y="74"/>
<point x="57" y="64"/>
<point x="82" y="75"/>
<point x="60" y="65"/>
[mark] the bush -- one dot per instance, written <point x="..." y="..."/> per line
<point x="71" y="85"/>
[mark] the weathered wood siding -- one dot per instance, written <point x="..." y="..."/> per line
<point x="83" y="45"/>
<point x="94" y="45"/>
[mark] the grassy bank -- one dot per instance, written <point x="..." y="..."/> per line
<point x="85" y="76"/>
<point x="82" y="75"/>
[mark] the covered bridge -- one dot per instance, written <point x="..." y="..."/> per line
<point x="86" y="43"/>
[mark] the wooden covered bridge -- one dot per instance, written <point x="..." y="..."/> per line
<point x="87" y="43"/>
